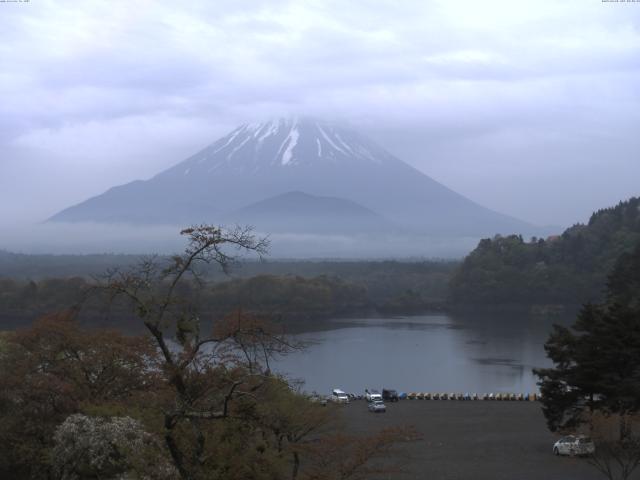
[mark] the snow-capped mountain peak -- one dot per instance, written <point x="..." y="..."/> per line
<point x="257" y="163"/>
<point x="284" y="142"/>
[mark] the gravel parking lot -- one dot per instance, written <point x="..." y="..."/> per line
<point x="473" y="440"/>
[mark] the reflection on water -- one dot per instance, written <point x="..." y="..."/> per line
<point x="430" y="353"/>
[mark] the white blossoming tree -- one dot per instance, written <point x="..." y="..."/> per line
<point x="106" y="448"/>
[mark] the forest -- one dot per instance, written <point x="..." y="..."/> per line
<point x="569" y="269"/>
<point x="502" y="272"/>
<point x="317" y="290"/>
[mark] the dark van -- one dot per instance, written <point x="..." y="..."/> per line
<point x="389" y="395"/>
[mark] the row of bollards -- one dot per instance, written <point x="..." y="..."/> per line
<point x="523" y="397"/>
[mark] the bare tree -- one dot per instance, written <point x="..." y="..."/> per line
<point x="212" y="376"/>
<point x="615" y="456"/>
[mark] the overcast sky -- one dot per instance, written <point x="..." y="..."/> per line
<point x="530" y="108"/>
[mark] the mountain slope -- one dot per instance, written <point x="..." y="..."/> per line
<point x="298" y="212"/>
<point x="258" y="161"/>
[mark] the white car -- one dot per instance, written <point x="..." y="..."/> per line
<point x="315" y="398"/>
<point x="339" y="396"/>
<point x="574" y="445"/>
<point x="377" y="406"/>
<point x="372" y="395"/>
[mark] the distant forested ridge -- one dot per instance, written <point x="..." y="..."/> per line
<point x="569" y="269"/>
<point x="285" y="290"/>
<point x="565" y="270"/>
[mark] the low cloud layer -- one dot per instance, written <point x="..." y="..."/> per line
<point x="530" y="108"/>
<point x="87" y="238"/>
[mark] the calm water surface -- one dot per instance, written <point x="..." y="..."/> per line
<point x="429" y="353"/>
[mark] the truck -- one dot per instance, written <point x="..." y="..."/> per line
<point x="339" y="396"/>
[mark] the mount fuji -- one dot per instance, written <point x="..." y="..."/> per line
<point x="296" y="175"/>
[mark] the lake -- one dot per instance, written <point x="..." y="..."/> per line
<point x="426" y="353"/>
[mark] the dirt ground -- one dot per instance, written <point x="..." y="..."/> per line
<point x="473" y="440"/>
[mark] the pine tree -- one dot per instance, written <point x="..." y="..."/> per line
<point x="597" y="360"/>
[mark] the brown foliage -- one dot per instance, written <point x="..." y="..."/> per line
<point x="50" y="371"/>
<point x="209" y="396"/>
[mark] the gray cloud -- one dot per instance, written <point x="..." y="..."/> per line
<point x="507" y="102"/>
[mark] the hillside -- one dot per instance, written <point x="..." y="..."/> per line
<point x="298" y="212"/>
<point x="569" y="269"/>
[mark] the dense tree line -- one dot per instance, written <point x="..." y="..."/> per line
<point x="359" y="290"/>
<point x="42" y="266"/>
<point x="568" y="269"/>
<point x="290" y="295"/>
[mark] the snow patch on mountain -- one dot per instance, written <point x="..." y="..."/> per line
<point x="291" y="141"/>
<point x="286" y="143"/>
<point x="329" y="141"/>
<point x="232" y="136"/>
<point x="270" y="128"/>
<point x="238" y="147"/>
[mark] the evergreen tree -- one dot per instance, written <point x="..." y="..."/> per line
<point x="597" y="360"/>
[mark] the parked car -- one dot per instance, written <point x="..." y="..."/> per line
<point x="339" y="396"/>
<point x="315" y="398"/>
<point x="376" y="406"/>
<point x="389" y="395"/>
<point x="574" y="445"/>
<point x="372" y="395"/>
